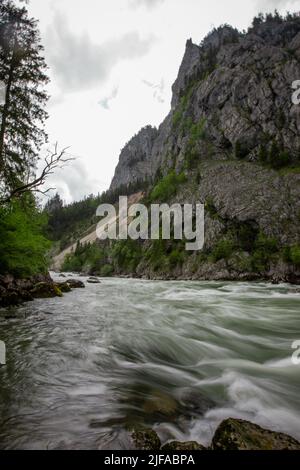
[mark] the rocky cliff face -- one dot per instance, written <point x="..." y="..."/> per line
<point x="232" y="97"/>
<point x="135" y="159"/>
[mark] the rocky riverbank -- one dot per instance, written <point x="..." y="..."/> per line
<point x="232" y="434"/>
<point x="15" y="291"/>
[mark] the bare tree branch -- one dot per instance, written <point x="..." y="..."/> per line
<point x="53" y="160"/>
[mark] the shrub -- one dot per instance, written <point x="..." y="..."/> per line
<point x="295" y="255"/>
<point x="223" y="250"/>
<point x="23" y="247"/>
<point x="167" y="187"/>
<point x="176" y="258"/>
<point x="241" y="150"/>
<point x="264" y="250"/>
<point x="292" y="255"/>
<point x="107" y="270"/>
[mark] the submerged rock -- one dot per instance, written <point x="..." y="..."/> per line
<point x="182" y="446"/>
<point x="237" y="434"/>
<point x="94" y="280"/>
<point x="146" y="439"/>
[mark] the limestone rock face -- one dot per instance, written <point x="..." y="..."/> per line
<point x="233" y="90"/>
<point x="135" y="159"/>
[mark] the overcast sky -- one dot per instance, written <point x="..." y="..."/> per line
<point x="112" y="64"/>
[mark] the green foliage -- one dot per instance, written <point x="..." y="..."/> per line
<point x="107" y="270"/>
<point x="223" y="250"/>
<point x="177" y="116"/>
<point x="126" y="255"/>
<point x="23" y="113"/>
<point x="176" y="258"/>
<point x="197" y="133"/>
<point x="276" y="157"/>
<point x="68" y="223"/>
<point x="264" y="250"/>
<point x="292" y="255"/>
<point x="88" y="258"/>
<point x="23" y="248"/>
<point x="210" y="208"/>
<point x="167" y="187"/>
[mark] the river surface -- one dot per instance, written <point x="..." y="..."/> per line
<point x="176" y="356"/>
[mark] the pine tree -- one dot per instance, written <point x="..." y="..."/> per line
<point x="22" y="70"/>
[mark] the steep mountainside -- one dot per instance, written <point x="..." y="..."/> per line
<point x="232" y="96"/>
<point x="231" y="141"/>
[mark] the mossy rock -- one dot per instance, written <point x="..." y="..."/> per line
<point x="182" y="446"/>
<point x="237" y="434"/>
<point x="45" y="290"/>
<point x="146" y="439"/>
<point x="64" y="287"/>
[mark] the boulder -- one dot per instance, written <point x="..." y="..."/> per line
<point x="75" y="284"/>
<point x="237" y="434"/>
<point x="45" y="290"/>
<point x="93" y="280"/>
<point x="182" y="446"/>
<point x="64" y="287"/>
<point x="146" y="439"/>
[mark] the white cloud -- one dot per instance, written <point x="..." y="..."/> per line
<point x="273" y="4"/>
<point x="147" y="3"/>
<point x="78" y="63"/>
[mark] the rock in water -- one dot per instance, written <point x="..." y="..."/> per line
<point x="182" y="446"/>
<point x="74" y="284"/>
<point x="146" y="439"/>
<point x="237" y="434"/>
<point x="45" y="290"/>
<point x="93" y="280"/>
<point x="64" y="287"/>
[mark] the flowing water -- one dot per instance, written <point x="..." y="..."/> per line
<point x="176" y="356"/>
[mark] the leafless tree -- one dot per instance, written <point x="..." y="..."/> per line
<point x="53" y="160"/>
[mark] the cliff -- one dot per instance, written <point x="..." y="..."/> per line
<point x="232" y="137"/>
<point x="232" y="95"/>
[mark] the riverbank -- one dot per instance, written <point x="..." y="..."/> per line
<point x="14" y="291"/>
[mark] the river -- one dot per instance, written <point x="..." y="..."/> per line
<point x="175" y="356"/>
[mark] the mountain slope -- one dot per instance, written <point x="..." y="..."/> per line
<point x="233" y="133"/>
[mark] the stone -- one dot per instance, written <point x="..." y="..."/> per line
<point x="237" y="434"/>
<point x="93" y="280"/>
<point x="75" y="284"/>
<point x="146" y="439"/>
<point x="64" y="287"/>
<point x="182" y="446"/>
<point x="44" y="290"/>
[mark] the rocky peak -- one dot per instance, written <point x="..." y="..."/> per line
<point x="134" y="163"/>
<point x="187" y="69"/>
<point x="231" y="100"/>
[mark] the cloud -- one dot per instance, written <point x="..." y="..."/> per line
<point x="73" y="182"/>
<point x="150" y="4"/>
<point x="78" y="63"/>
<point x="272" y="4"/>
<point x="105" y="102"/>
<point x="159" y="89"/>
